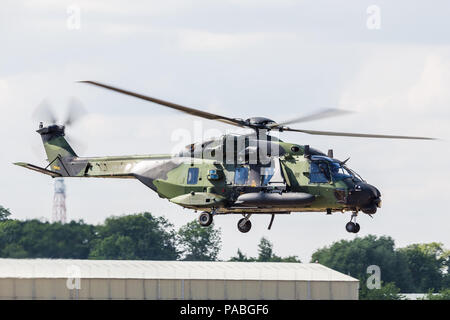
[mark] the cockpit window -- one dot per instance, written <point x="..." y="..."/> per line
<point x="322" y="167"/>
<point x="353" y="174"/>
<point x="339" y="172"/>
<point x="319" y="172"/>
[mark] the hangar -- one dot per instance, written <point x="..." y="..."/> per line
<point x="120" y="279"/>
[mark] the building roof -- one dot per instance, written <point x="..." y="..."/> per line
<point x="138" y="269"/>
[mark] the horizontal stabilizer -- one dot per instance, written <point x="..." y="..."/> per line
<point x="53" y="174"/>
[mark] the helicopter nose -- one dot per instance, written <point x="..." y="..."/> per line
<point x="366" y="197"/>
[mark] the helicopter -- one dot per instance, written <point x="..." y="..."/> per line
<point x="245" y="174"/>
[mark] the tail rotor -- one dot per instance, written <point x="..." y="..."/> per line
<point x="75" y="112"/>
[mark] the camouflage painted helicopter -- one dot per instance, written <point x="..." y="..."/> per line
<point x="245" y="174"/>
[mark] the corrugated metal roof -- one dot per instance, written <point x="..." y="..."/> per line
<point x="137" y="269"/>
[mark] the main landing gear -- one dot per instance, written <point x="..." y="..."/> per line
<point x="351" y="226"/>
<point x="244" y="225"/>
<point x="205" y="219"/>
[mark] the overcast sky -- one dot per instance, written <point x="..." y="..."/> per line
<point x="239" y="58"/>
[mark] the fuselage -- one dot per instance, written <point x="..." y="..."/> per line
<point x="253" y="173"/>
<point x="208" y="176"/>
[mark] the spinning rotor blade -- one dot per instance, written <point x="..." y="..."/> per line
<point x="326" y="113"/>
<point x="44" y="112"/>
<point x="191" y="111"/>
<point x="322" y="114"/>
<point x="75" y="111"/>
<point x="357" y="135"/>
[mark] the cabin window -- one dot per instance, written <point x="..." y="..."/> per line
<point x="192" y="176"/>
<point x="241" y="176"/>
<point x="214" y="174"/>
<point x="319" y="172"/>
<point x="266" y="174"/>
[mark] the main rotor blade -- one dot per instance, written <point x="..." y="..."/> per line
<point x="191" y="111"/>
<point x="357" y="135"/>
<point x="322" y="114"/>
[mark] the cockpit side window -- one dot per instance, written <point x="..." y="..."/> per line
<point x="319" y="172"/>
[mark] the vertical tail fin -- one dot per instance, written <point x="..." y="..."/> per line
<point x="56" y="147"/>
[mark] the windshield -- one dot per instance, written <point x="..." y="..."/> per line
<point x="337" y="169"/>
<point x="353" y="173"/>
<point x="339" y="172"/>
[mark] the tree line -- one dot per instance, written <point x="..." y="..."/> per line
<point x="417" y="268"/>
<point x="129" y="237"/>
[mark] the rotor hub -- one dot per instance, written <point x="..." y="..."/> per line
<point x="260" y="122"/>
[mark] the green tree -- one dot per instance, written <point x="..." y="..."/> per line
<point x="265" y="250"/>
<point x="241" y="257"/>
<point x="265" y="254"/>
<point x="199" y="243"/>
<point x="13" y="250"/>
<point x="387" y="291"/>
<point x="4" y="213"/>
<point x="36" y="239"/>
<point x="427" y="263"/>
<point x="444" y="294"/>
<point x="116" y="246"/>
<point x="446" y="280"/>
<point x="353" y="257"/>
<point x="137" y="236"/>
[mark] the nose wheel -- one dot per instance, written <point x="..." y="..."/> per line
<point x="352" y="227"/>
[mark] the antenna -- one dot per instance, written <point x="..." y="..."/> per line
<point x="59" y="202"/>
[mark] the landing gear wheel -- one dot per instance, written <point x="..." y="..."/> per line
<point x="205" y="219"/>
<point x="357" y="227"/>
<point x="246" y="227"/>
<point x="350" y="227"/>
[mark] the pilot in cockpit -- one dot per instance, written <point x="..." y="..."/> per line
<point x="323" y="167"/>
